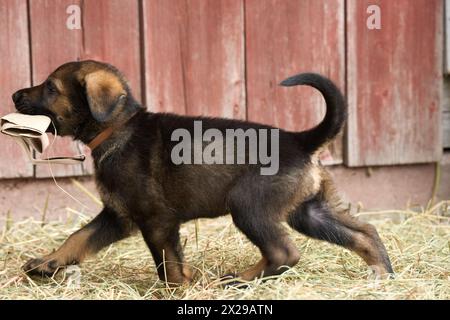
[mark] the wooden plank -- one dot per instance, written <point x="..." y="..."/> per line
<point x="106" y="39"/>
<point x="446" y="113"/>
<point x="111" y="34"/>
<point x="447" y="37"/>
<point x="102" y="37"/>
<point x="394" y="83"/>
<point x="52" y="45"/>
<point x="194" y="57"/>
<point x="284" y="38"/>
<point x="164" y="66"/>
<point x="14" y="75"/>
<point x="446" y="95"/>
<point x="446" y="129"/>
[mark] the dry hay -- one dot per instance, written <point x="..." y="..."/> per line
<point x="418" y="244"/>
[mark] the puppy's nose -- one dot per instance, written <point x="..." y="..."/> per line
<point x="17" y="96"/>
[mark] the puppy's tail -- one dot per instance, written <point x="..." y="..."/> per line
<point x="335" y="116"/>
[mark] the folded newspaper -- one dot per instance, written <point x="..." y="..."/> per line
<point x="30" y="132"/>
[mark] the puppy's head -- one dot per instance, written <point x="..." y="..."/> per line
<point x="79" y="96"/>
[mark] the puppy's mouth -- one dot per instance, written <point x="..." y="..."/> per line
<point x="25" y="108"/>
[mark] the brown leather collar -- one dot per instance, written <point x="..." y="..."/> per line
<point x="102" y="136"/>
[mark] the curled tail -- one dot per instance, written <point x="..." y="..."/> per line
<point x="335" y="116"/>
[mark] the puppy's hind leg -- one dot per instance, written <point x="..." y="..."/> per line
<point x="278" y="251"/>
<point x="321" y="218"/>
<point x="259" y="220"/>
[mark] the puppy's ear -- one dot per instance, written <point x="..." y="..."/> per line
<point x="105" y="94"/>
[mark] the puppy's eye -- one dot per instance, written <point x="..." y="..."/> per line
<point x="50" y="87"/>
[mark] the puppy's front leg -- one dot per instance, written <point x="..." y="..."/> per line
<point x="104" y="229"/>
<point x="163" y="239"/>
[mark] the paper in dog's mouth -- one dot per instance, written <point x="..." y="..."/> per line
<point x="29" y="131"/>
<point x="25" y="132"/>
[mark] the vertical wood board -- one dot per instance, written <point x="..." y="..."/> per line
<point x="394" y="83"/>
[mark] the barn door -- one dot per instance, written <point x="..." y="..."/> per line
<point x="110" y="32"/>
<point x="394" y="82"/>
<point x="284" y="38"/>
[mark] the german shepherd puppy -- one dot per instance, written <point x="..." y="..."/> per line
<point x="142" y="189"/>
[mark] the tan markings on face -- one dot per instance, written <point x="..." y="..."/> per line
<point x="59" y="85"/>
<point x="61" y="106"/>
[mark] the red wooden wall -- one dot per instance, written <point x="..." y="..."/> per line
<point x="226" y="57"/>
<point x="282" y="39"/>
<point x="395" y="82"/>
<point x="14" y="51"/>
<point x="194" y="57"/>
<point x="110" y="32"/>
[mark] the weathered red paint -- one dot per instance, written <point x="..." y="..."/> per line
<point x="52" y="44"/>
<point x="288" y="37"/>
<point x="14" y="75"/>
<point x="394" y="83"/>
<point x="194" y="57"/>
<point x="225" y="58"/>
<point x="110" y="32"/>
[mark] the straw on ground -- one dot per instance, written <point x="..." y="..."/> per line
<point x="418" y="243"/>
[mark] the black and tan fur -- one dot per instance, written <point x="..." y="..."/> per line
<point x="142" y="190"/>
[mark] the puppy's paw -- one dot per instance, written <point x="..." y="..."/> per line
<point x="41" y="267"/>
